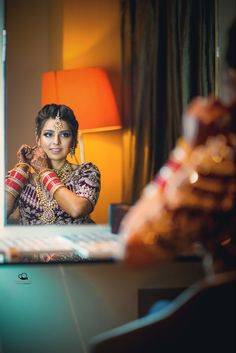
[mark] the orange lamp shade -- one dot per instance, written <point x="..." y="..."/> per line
<point x="87" y="91"/>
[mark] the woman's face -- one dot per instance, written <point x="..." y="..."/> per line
<point x="56" y="143"/>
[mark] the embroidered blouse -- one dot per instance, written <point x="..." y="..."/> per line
<point x="84" y="182"/>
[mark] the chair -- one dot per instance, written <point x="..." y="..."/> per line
<point x="201" y="319"/>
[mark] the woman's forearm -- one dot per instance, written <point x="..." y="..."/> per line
<point x="71" y="203"/>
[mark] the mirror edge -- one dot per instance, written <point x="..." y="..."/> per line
<point x="2" y="108"/>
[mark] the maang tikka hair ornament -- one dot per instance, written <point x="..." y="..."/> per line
<point x="58" y="123"/>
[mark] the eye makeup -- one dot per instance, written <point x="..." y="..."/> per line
<point x="62" y="134"/>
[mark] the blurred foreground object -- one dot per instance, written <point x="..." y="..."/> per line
<point x="192" y="198"/>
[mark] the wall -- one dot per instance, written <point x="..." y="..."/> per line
<point x="62" y="34"/>
<point x="91" y="37"/>
<point x="27" y="58"/>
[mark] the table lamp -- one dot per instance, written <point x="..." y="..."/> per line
<point x="88" y="92"/>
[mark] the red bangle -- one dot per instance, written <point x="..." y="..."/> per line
<point x="17" y="175"/>
<point x="47" y="176"/>
<point x="165" y="172"/>
<point x="160" y="182"/>
<point x="15" y="181"/>
<point x="13" y="184"/>
<point x="173" y="165"/>
<point x="51" y="182"/>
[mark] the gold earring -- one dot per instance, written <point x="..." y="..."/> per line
<point x="72" y="151"/>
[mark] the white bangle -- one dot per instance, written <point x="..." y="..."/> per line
<point x="150" y="190"/>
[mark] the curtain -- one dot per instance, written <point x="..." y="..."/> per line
<point x="168" y="57"/>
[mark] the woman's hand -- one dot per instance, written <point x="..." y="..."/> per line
<point x="39" y="159"/>
<point x="24" y="154"/>
<point x="138" y="225"/>
<point x="203" y="117"/>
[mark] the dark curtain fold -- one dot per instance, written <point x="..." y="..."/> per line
<point x="167" y="59"/>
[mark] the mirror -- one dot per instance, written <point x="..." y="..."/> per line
<point x="63" y="34"/>
<point x="53" y="35"/>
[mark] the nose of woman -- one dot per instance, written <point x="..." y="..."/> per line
<point x="56" y="140"/>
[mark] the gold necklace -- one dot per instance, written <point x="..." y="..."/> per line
<point x="47" y="202"/>
<point x="64" y="172"/>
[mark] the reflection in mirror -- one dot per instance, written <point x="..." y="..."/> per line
<point x="59" y="43"/>
<point x="43" y="185"/>
<point x="69" y="35"/>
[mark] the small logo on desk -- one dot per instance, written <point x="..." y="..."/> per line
<point x="23" y="276"/>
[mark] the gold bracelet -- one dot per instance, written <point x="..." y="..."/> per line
<point x="18" y="182"/>
<point x="50" y="180"/>
<point x="44" y="171"/>
<point x="11" y="191"/>
<point x="22" y="172"/>
<point x="22" y="164"/>
<point x="55" y="188"/>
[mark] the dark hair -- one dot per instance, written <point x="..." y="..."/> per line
<point x="65" y="113"/>
<point x="231" y="52"/>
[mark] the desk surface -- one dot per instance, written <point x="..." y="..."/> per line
<point x="60" y="308"/>
<point x="54" y="307"/>
<point x="58" y="244"/>
<point x="62" y="244"/>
